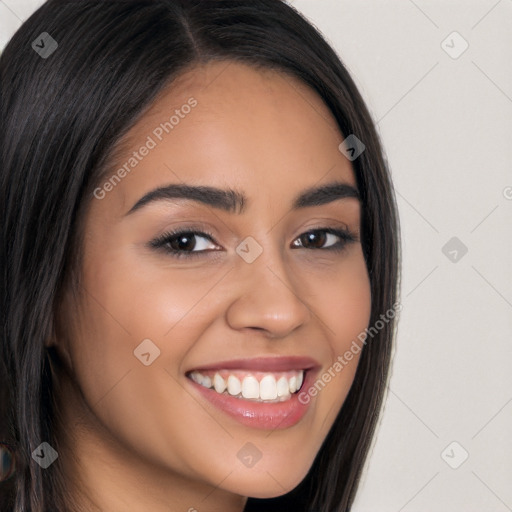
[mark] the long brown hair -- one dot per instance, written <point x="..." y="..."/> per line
<point x="62" y="116"/>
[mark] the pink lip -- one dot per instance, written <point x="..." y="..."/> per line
<point x="266" y="416"/>
<point x="264" y="364"/>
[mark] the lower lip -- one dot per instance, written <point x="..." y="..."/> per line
<point x="266" y="416"/>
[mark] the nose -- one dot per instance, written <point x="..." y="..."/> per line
<point x="267" y="297"/>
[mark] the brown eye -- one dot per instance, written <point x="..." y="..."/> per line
<point x="314" y="239"/>
<point x="184" y="243"/>
<point x="324" y="239"/>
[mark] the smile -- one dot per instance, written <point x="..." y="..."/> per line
<point x="260" y="393"/>
<point x="266" y="387"/>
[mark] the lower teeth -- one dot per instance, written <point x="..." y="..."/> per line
<point x="241" y="397"/>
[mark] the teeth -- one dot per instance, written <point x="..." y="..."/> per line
<point x="283" y="388"/>
<point x="292" y="382"/>
<point x="268" y="388"/>
<point x="250" y="387"/>
<point x="260" y="386"/>
<point x="197" y="377"/>
<point x="219" y="383"/>
<point x="300" y="379"/>
<point x="234" y="386"/>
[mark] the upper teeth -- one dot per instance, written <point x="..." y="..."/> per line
<point x="277" y="386"/>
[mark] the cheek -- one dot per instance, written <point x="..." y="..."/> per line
<point x="126" y="302"/>
<point x="345" y="302"/>
<point x="345" y="309"/>
<point x="130" y="299"/>
<point x="141" y="297"/>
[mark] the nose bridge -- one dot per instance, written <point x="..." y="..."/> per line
<point x="266" y="298"/>
<point x="263" y="255"/>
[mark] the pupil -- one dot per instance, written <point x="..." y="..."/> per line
<point x="320" y="239"/>
<point x="184" y="241"/>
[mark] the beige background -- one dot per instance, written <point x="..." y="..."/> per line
<point x="446" y="125"/>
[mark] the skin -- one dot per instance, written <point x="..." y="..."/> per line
<point x="141" y="437"/>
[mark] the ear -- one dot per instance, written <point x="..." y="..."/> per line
<point x="58" y="343"/>
<point x="50" y="341"/>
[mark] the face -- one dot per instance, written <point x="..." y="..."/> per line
<point x="203" y="310"/>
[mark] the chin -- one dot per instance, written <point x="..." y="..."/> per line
<point x="268" y="484"/>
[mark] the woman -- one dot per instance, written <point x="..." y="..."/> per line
<point x="199" y="234"/>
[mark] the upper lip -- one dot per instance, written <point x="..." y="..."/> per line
<point x="263" y="364"/>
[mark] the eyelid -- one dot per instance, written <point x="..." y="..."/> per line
<point x="196" y="230"/>
<point x="344" y="234"/>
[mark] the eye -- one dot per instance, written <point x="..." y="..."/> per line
<point x="186" y="243"/>
<point x="183" y="243"/>
<point x="325" y="239"/>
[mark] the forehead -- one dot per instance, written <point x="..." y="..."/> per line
<point x="227" y="123"/>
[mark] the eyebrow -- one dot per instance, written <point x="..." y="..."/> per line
<point x="234" y="201"/>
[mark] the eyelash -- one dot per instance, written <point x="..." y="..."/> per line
<point x="160" y="242"/>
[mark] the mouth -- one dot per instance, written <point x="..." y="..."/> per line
<point x="266" y="387"/>
<point x="260" y="393"/>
